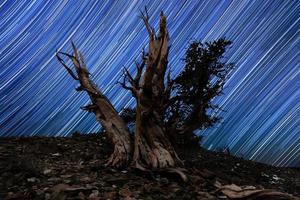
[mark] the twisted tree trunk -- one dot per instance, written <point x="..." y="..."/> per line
<point x="152" y="146"/>
<point x="105" y="113"/>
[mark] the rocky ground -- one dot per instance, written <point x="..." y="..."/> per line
<point x="72" y="168"/>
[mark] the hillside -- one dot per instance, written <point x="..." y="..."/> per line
<point x="72" y="168"/>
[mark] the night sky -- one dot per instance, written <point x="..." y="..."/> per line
<point x="261" y="98"/>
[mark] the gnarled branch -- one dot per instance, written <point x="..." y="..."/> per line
<point x="65" y="65"/>
<point x="130" y="83"/>
<point x="104" y="111"/>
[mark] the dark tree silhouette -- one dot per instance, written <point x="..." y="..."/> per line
<point x="190" y="107"/>
<point x="166" y="108"/>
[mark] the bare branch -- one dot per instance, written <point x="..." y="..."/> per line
<point x="139" y="67"/>
<point x="75" y="50"/>
<point x="89" y="108"/>
<point x="145" y="18"/>
<point x="79" y="88"/>
<point x="123" y="84"/>
<point x="82" y="63"/>
<point x="101" y="107"/>
<point x="74" y="59"/>
<point x="126" y="87"/>
<point x="65" y="66"/>
<point x="128" y="76"/>
<point x="65" y="54"/>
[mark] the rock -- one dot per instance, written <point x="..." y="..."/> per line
<point x="66" y="176"/>
<point x="110" y="195"/>
<point x="54" y="179"/>
<point x="174" y="187"/>
<point x="249" y="187"/>
<point x="60" y="187"/>
<point x="75" y="189"/>
<point x="164" y="181"/>
<point x="81" y="163"/>
<point x="125" y="192"/>
<point x="47" y="171"/>
<point x="47" y="196"/>
<point x="265" y="175"/>
<point x="85" y="179"/>
<point x="276" y="178"/>
<point x="11" y="196"/>
<point x="67" y="181"/>
<point x="206" y="196"/>
<point x="95" y="193"/>
<point x="39" y="192"/>
<point x="81" y="196"/>
<point x="32" y="180"/>
<point x="207" y="174"/>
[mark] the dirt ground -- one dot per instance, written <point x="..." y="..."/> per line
<point x="73" y="168"/>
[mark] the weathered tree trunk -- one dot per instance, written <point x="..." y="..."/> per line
<point x="105" y="113"/>
<point x="117" y="132"/>
<point x="152" y="146"/>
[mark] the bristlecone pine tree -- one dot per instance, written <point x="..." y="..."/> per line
<point x="165" y="108"/>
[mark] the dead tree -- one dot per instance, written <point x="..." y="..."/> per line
<point x="104" y="111"/>
<point x="165" y="107"/>
<point x="152" y="146"/>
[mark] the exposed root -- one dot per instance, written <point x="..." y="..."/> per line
<point x="138" y="166"/>
<point x="179" y="172"/>
<point x="170" y="172"/>
<point x="153" y="153"/>
<point x="162" y="158"/>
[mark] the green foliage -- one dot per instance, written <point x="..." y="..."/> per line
<point x="201" y="80"/>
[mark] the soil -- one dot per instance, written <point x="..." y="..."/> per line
<point x="73" y="168"/>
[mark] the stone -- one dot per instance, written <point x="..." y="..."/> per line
<point x="32" y="179"/>
<point x="95" y="193"/>
<point x="47" y="171"/>
<point x="125" y="192"/>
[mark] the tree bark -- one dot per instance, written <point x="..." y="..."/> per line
<point x="152" y="146"/>
<point x="105" y="113"/>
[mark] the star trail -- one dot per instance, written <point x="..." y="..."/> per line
<point x="261" y="97"/>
